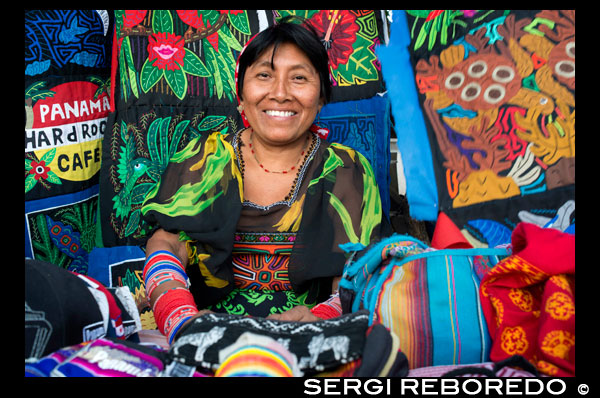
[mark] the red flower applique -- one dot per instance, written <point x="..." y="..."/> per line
<point x="166" y="51"/>
<point x="338" y="31"/>
<point x="39" y="170"/>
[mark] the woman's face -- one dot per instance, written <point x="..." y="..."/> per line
<point x="281" y="102"/>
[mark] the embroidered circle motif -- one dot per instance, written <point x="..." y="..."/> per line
<point x="558" y="343"/>
<point x="514" y="340"/>
<point x="522" y="299"/>
<point x="560" y="306"/>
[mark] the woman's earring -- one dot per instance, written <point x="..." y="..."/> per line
<point x="321" y="132"/>
<point x="240" y="109"/>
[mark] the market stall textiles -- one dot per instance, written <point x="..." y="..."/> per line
<point x="496" y="90"/>
<point x="161" y="101"/>
<point x="67" y="71"/>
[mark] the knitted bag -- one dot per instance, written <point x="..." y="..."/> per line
<point x="529" y="301"/>
<point x="317" y="346"/>
<point x="428" y="298"/>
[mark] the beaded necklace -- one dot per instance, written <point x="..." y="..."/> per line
<point x="303" y="155"/>
<point x="306" y="156"/>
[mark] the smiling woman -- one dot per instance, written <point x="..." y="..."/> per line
<point x="282" y="95"/>
<point x="251" y="223"/>
<point x="280" y="101"/>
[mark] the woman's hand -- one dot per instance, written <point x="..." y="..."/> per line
<point x="299" y="313"/>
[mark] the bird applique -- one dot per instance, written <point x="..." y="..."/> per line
<point x="131" y="167"/>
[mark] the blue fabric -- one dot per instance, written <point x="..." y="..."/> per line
<point x="413" y="142"/>
<point x="449" y="280"/>
<point x="101" y="260"/>
<point x="50" y="208"/>
<point x="364" y="125"/>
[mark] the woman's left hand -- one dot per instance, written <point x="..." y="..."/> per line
<point x="299" y="313"/>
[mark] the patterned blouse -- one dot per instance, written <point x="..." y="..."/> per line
<point x="256" y="260"/>
<point x="261" y="252"/>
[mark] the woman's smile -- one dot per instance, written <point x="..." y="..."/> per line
<point x="283" y="114"/>
<point x="281" y="95"/>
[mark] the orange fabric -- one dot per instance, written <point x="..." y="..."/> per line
<point x="529" y="300"/>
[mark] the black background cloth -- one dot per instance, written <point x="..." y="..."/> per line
<point x="59" y="309"/>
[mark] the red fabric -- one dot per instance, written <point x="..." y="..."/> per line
<point x="528" y="300"/>
<point x="113" y="68"/>
<point x="324" y="311"/>
<point x="447" y="235"/>
<point x="331" y="308"/>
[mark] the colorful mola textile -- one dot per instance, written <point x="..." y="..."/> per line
<point x="62" y="229"/>
<point x="350" y="37"/>
<point x="497" y="91"/>
<point x="364" y="125"/>
<point x="163" y="101"/>
<point x="67" y="71"/>
<point x="528" y="300"/>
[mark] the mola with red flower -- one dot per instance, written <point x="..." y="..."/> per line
<point x="351" y="56"/>
<point x="165" y="51"/>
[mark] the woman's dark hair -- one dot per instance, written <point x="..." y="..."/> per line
<point x="287" y="31"/>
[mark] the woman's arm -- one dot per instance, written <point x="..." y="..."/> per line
<point x="167" y="285"/>
<point x="162" y="240"/>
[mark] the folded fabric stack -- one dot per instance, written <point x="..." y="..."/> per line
<point x="224" y="345"/>
<point x="523" y="298"/>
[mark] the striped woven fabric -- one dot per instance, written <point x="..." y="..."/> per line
<point x="428" y="298"/>
<point x="431" y="303"/>
<point x="404" y="308"/>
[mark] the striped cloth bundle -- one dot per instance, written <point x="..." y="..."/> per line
<point x="428" y="298"/>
